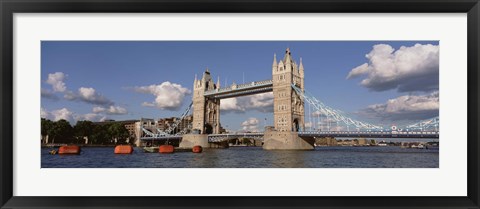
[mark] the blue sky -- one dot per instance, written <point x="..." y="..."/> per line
<point x="396" y="83"/>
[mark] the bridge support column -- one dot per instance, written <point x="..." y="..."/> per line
<point x="190" y="140"/>
<point x="286" y="140"/>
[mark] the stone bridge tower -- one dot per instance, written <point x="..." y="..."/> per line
<point x="206" y="111"/>
<point x="288" y="105"/>
<point x="288" y="109"/>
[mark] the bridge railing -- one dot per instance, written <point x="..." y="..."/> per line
<point x="372" y="132"/>
<point x="384" y="134"/>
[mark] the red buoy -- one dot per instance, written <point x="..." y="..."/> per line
<point x="123" y="149"/>
<point x="197" y="149"/>
<point x="166" y="149"/>
<point x="71" y="149"/>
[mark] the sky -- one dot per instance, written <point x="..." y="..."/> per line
<point x="381" y="82"/>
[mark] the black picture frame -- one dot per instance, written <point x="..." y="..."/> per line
<point x="10" y="7"/>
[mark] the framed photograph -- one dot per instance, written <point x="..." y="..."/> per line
<point x="309" y="104"/>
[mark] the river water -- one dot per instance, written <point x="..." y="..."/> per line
<point x="249" y="157"/>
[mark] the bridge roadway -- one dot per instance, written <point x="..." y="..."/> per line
<point x="338" y="134"/>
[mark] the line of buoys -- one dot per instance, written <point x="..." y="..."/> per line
<point x="197" y="149"/>
<point x="120" y="149"/>
<point x="123" y="149"/>
<point x="166" y="149"/>
<point x="69" y="149"/>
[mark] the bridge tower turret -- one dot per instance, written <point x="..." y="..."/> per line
<point x="206" y="111"/>
<point x="288" y="106"/>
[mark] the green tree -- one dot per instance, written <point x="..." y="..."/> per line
<point x="83" y="129"/>
<point x="99" y="135"/>
<point x="46" y="127"/>
<point x="62" y="132"/>
<point x="118" y="133"/>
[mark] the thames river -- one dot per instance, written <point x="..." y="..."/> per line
<point x="250" y="157"/>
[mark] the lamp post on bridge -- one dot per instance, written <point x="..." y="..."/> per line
<point x="264" y="124"/>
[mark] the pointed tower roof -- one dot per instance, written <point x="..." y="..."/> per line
<point x="206" y="74"/>
<point x="274" y="60"/>
<point x="288" y="56"/>
<point x="301" y="64"/>
<point x="218" y="82"/>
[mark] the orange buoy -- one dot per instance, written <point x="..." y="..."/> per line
<point x="197" y="149"/>
<point x="123" y="149"/>
<point x="71" y="149"/>
<point x="166" y="149"/>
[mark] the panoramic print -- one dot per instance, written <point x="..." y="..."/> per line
<point x="240" y="104"/>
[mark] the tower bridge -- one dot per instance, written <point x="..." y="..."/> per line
<point x="289" y="97"/>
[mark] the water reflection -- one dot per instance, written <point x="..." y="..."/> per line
<point x="250" y="157"/>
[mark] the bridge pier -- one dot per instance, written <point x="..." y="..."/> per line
<point x="190" y="140"/>
<point x="286" y="140"/>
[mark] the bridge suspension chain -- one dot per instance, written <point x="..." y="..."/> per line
<point x="336" y="115"/>
<point x="169" y="130"/>
<point x="175" y="125"/>
<point x="148" y="133"/>
<point x="425" y="124"/>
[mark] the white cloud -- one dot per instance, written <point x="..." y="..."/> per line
<point x="112" y="110"/>
<point x="148" y="104"/>
<point x="98" y="109"/>
<point x="250" y="125"/>
<point x="56" y="80"/>
<point x="168" y="96"/>
<point x="231" y="105"/>
<point x="63" y="113"/>
<point x="407" y="69"/>
<point x="408" y="107"/>
<point x="84" y="94"/>
<point x="44" y="113"/>
<point x="70" y="95"/>
<point x="70" y="116"/>
<point x="45" y="93"/>
<point x="260" y="102"/>
<point x="91" y="117"/>
<point x="88" y="95"/>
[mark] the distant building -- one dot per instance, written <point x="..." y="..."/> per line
<point x="327" y="141"/>
<point x="161" y="125"/>
<point x="363" y="142"/>
<point x="183" y="125"/>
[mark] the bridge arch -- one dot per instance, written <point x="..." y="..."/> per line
<point x="296" y="125"/>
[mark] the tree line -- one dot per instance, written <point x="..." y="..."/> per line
<point x="84" y="131"/>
